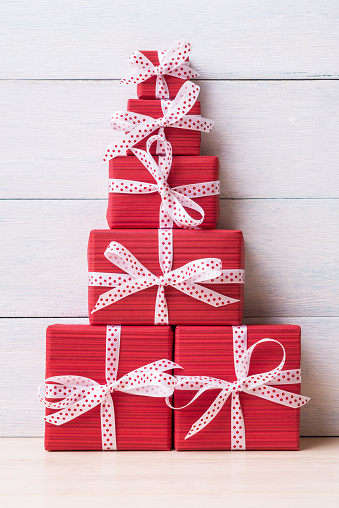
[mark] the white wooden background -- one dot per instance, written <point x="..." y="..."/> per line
<point x="269" y="77"/>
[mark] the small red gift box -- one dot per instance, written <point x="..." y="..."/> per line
<point x="129" y="210"/>
<point x="212" y="351"/>
<point x="147" y="89"/>
<point x="138" y="291"/>
<point x="183" y="141"/>
<point x="141" y="423"/>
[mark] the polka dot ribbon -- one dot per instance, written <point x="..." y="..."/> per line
<point x="173" y="200"/>
<point x="80" y="394"/>
<point x="172" y="62"/>
<point x="184" y="279"/>
<point x="258" y="385"/>
<point x="139" y="126"/>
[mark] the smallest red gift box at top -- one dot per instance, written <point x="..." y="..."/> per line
<point x="165" y="276"/>
<point x="183" y="141"/>
<point x="191" y="181"/>
<point x="147" y="89"/>
<point x="106" y="403"/>
<point x="160" y="74"/>
<point x="248" y="383"/>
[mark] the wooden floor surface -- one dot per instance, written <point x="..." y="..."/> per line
<point x="31" y="477"/>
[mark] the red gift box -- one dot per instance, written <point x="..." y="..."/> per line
<point x="188" y="246"/>
<point x="142" y="423"/>
<point x="183" y="141"/>
<point x="142" y="210"/>
<point x="208" y="351"/>
<point x="146" y="89"/>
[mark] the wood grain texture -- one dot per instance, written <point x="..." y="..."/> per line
<point x="273" y="139"/>
<point x="23" y="345"/>
<point x="269" y="75"/>
<point x="244" y="40"/>
<point x="291" y="267"/>
<point x="152" y="479"/>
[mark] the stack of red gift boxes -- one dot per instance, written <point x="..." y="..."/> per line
<point x="165" y="286"/>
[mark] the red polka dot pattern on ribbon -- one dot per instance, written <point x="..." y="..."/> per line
<point x="173" y="200"/>
<point x="139" y="126"/>
<point x="81" y="394"/>
<point x="184" y="279"/>
<point x="171" y="62"/>
<point x="259" y="385"/>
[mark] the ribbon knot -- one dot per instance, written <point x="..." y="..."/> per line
<point x="162" y="280"/>
<point x="163" y="122"/>
<point x="158" y="70"/>
<point x="163" y="188"/>
<point x="238" y="386"/>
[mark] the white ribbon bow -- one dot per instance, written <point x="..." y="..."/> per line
<point x="257" y="385"/>
<point x="80" y="394"/>
<point x="172" y="62"/>
<point x="184" y="279"/>
<point x="139" y="126"/>
<point x="173" y="200"/>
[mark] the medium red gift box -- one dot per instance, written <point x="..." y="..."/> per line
<point x="147" y="89"/>
<point x="183" y="308"/>
<point x="142" y="210"/>
<point x="208" y="351"/>
<point x="142" y="423"/>
<point x="183" y="141"/>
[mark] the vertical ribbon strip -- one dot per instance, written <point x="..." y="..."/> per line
<point x="173" y="200"/>
<point x="258" y="385"/>
<point x="184" y="279"/>
<point x="172" y="62"/>
<point x="80" y="394"/>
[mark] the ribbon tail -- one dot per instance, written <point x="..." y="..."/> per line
<point x="210" y="414"/>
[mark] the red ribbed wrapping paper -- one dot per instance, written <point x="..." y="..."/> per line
<point x="142" y="423"/>
<point x="142" y="210"/>
<point x="183" y="141"/>
<point x="146" y="89"/>
<point x="208" y="351"/>
<point x="138" y="308"/>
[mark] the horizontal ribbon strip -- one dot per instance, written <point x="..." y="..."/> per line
<point x="258" y="385"/>
<point x="139" y="126"/>
<point x="173" y="200"/>
<point x="184" y="279"/>
<point x="172" y="62"/>
<point x="80" y="394"/>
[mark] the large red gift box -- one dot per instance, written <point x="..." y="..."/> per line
<point x="142" y="210"/>
<point x="208" y="351"/>
<point x="188" y="246"/>
<point x="146" y="89"/>
<point x="183" y="141"/>
<point x="142" y="423"/>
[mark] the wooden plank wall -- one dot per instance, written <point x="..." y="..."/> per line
<point x="269" y="77"/>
